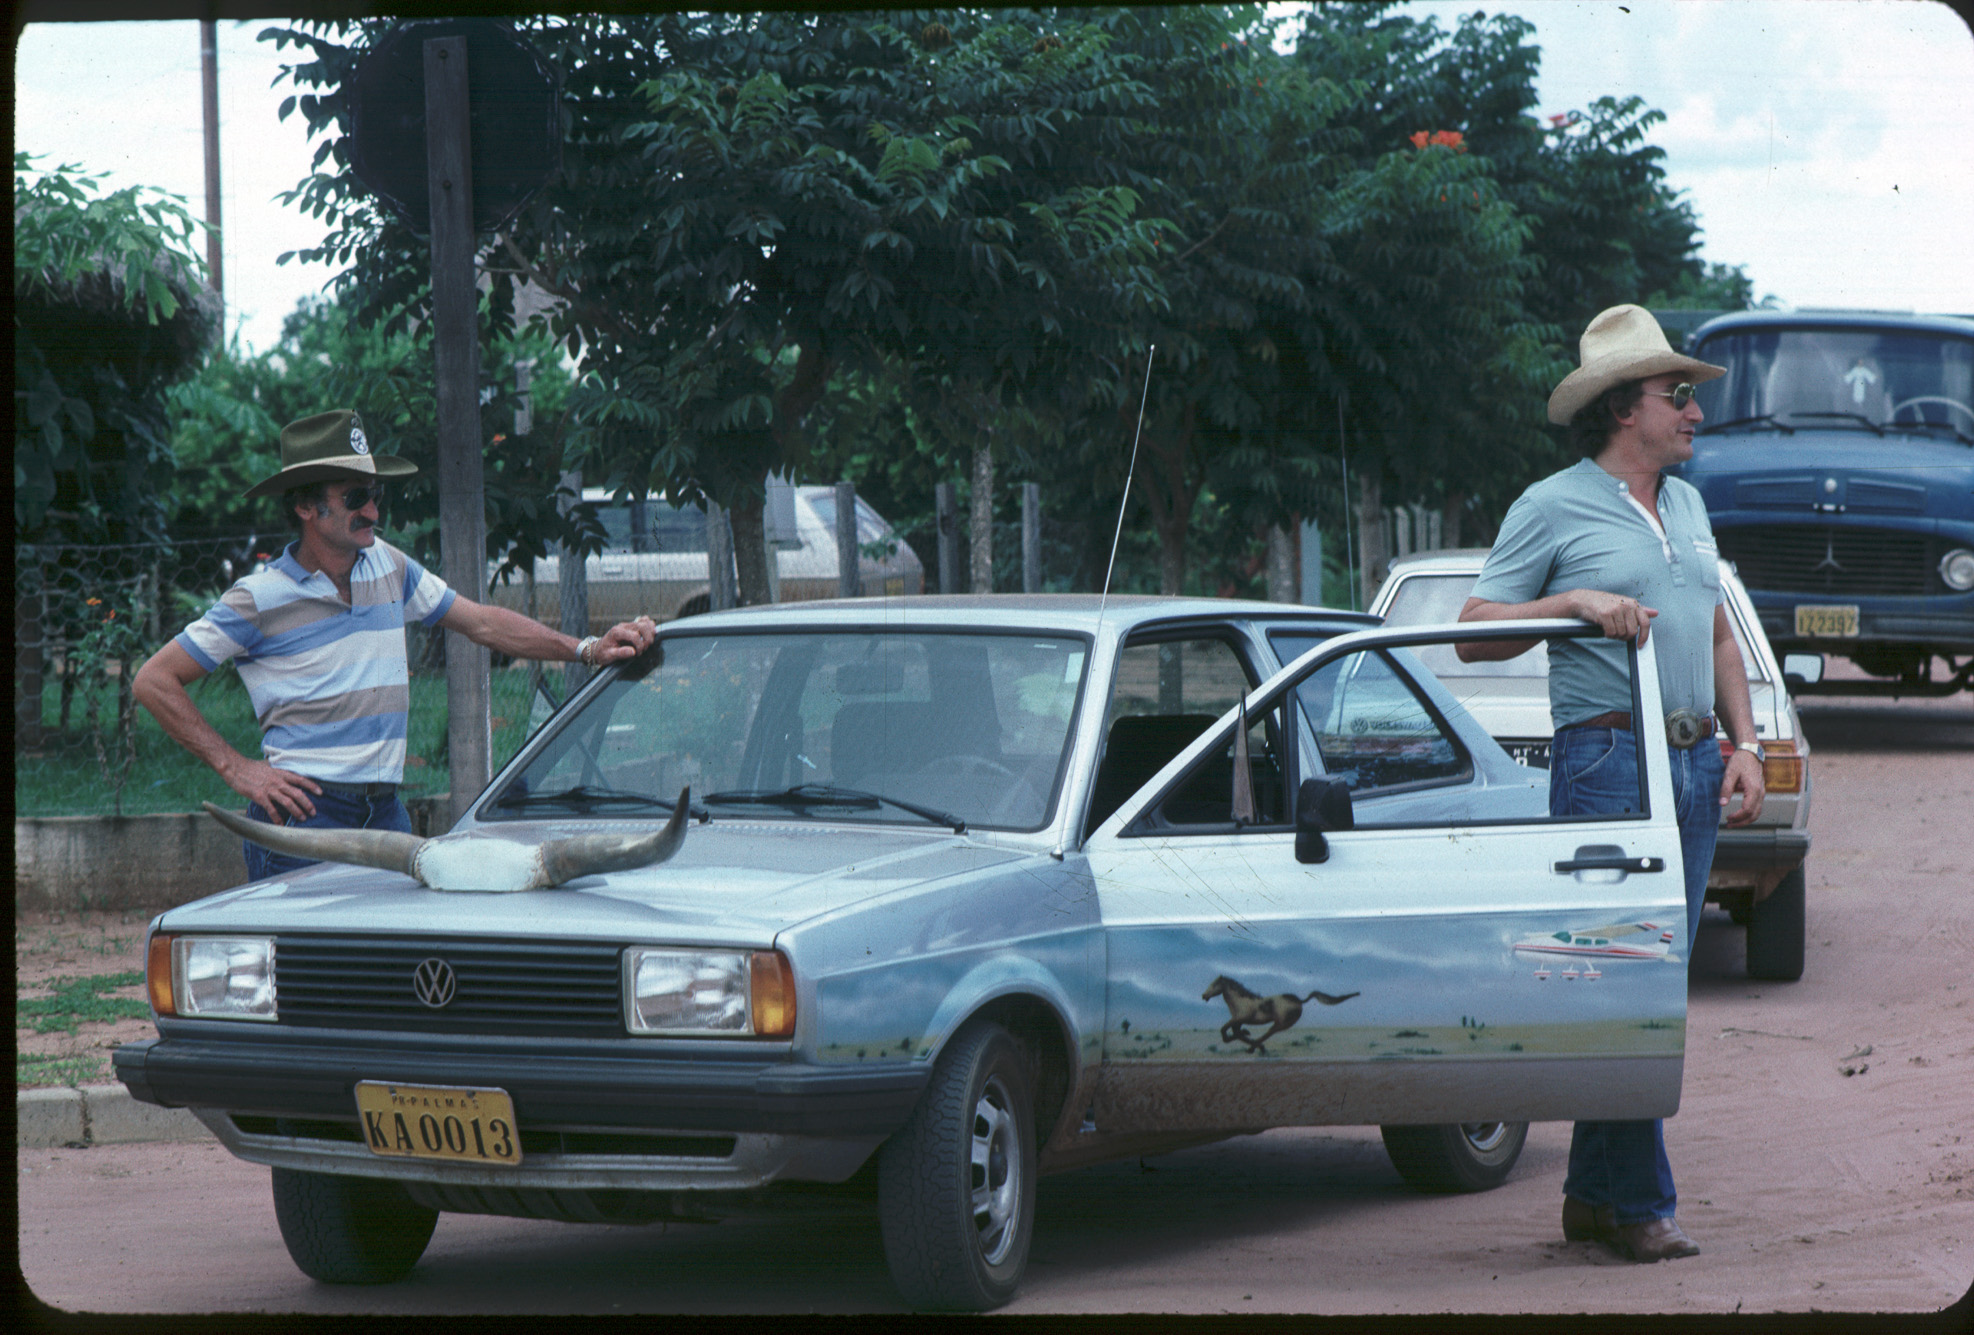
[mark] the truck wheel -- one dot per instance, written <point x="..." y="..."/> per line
<point x="1459" y="1156"/>
<point x="1775" y="932"/>
<point x="350" y="1230"/>
<point x="956" y="1183"/>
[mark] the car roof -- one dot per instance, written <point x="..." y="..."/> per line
<point x="1070" y="612"/>
<point x="1889" y="321"/>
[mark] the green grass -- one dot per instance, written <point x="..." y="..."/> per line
<point x="32" y="1070"/>
<point x="64" y="779"/>
<point x="80" y="1000"/>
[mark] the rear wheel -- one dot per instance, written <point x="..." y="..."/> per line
<point x="1775" y="931"/>
<point x="1459" y="1156"/>
<point x="350" y="1230"/>
<point x="956" y="1183"/>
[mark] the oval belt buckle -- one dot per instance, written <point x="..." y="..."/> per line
<point x="1682" y="728"/>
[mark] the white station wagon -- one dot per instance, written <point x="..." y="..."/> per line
<point x="966" y="891"/>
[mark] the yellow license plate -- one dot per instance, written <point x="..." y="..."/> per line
<point x="438" y="1122"/>
<point x="1829" y="622"/>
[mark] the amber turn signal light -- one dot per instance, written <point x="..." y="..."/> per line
<point x="1782" y="768"/>
<point x="157" y="973"/>
<point x="771" y="984"/>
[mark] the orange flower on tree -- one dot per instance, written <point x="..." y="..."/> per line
<point x="1452" y="139"/>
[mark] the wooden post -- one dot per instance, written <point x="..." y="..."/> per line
<point x="722" y="583"/>
<point x="946" y="509"/>
<point x="462" y="465"/>
<point x="849" y="579"/>
<point x="1281" y="565"/>
<point x="209" y="81"/>
<point x="1031" y="537"/>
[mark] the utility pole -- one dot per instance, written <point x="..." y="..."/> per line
<point x="209" y="77"/>
<point x="462" y="465"/>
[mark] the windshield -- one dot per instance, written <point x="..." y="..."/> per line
<point x="1811" y="377"/>
<point x="898" y="727"/>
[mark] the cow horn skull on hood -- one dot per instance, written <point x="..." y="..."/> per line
<point x="473" y="860"/>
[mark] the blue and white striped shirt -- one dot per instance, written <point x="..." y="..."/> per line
<point x="328" y="679"/>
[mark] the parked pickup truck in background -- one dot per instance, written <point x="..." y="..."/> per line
<point x="1837" y="463"/>
<point x="1758" y="874"/>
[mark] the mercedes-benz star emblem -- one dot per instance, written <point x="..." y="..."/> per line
<point x="434" y="982"/>
<point x="1829" y="561"/>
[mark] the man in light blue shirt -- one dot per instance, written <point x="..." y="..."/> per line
<point x="1612" y="540"/>
<point x="319" y="640"/>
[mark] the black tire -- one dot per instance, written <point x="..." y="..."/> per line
<point x="1775" y="931"/>
<point x="956" y="1183"/>
<point x="1459" y="1156"/>
<point x="350" y="1230"/>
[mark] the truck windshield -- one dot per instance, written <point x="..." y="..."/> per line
<point x="1804" y="378"/>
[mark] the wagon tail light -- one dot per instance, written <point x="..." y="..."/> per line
<point x="1782" y="768"/>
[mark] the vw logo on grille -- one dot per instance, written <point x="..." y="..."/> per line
<point x="434" y="982"/>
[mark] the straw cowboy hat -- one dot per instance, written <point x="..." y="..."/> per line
<point x="1623" y="343"/>
<point x="328" y="445"/>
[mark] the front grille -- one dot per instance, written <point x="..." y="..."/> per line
<point x="505" y="987"/>
<point x="1819" y="559"/>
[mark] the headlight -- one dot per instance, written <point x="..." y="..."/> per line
<point x="739" y="992"/>
<point x="219" y="977"/>
<point x="1957" y="569"/>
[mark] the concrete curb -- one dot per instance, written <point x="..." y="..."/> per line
<point x="98" y="1115"/>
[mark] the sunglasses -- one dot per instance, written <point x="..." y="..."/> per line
<point x="1681" y="395"/>
<point x="358" y="497"/>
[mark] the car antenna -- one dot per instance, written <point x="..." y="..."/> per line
<point x="1151" y="355"/>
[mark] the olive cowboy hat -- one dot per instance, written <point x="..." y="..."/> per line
<point x="328" y="445"/>
<point x="1623" y="343"/>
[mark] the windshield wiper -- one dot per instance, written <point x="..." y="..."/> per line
<point x="829" y="795"/>
<point x="1848" y="417"/>
<point x="1761" y="419"/>
<point x="583" y="797"/>
<point x="1924" y="425"/>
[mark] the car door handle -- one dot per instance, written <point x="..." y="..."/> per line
<point x="1605" y="858"/>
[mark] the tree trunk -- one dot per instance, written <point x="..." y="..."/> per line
<point x="1281" y="565"/>
<point x="981" y="573"/>
<point x="750" y="551"/>
<point x="1373" y="550"/>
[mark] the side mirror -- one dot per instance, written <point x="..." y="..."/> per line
<point x="1320" y="805"/>
<point x="1802" y="669"/>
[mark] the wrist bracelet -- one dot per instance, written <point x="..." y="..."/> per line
<point x="583" y="648"/>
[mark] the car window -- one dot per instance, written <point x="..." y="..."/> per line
<point x="1374" y="731"/>
<point x="652" y="525"/>
<point x="974" y="725"/>
<point x="1165" y="694"/>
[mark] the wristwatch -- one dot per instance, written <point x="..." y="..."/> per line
<point x="583" y="646"/>
<point x="1761" y="755"/>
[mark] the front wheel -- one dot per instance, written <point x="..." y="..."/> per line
<point x="350" y="1230"/>
<point x="1459" y="1156"/>
<point x="1775" y="931"/>
<point x="956" y="1183"/>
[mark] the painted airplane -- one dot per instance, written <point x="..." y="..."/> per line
<point x="1601" y="943"/>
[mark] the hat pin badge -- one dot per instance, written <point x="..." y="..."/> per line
<point x="358" y="445"/>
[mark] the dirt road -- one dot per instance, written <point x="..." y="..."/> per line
<point x="1825" y="1154"/>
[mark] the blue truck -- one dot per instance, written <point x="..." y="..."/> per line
<point x="1837" y="463"/>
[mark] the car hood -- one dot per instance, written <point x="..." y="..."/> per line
<point x="736" y="882"/>
<point x="1818" y="472"/>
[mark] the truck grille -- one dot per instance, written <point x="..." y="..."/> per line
<point x="1821" y="559"/>
<point x="506" y="987"/>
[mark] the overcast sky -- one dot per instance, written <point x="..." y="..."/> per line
<point x="1824" y="143"/>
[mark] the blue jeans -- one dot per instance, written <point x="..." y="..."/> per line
<point x="1594" y="771"/>
<point x="338" y="807"/>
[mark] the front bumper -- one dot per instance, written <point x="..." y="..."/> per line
<point x="599" y="1114"/>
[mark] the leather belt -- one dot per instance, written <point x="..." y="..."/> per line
<point x="365" y="790"/>
<point x="1684" y="728"/>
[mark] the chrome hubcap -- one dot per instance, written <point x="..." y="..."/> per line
<point x="1484" y="1137"/>
<point x="995" y="1173"/>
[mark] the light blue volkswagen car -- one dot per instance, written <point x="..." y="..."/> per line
<point x="899" y="905"/>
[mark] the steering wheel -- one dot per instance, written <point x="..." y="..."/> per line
<point x="1940" y="399"/>
<point x="1016" y="789"/>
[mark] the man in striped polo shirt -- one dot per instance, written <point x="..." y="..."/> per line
<point x="318" y="637"/>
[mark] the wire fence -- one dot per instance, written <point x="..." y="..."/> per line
<point x="87" y="616"/>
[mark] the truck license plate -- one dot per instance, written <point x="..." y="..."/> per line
<point x="438" y="1122"/>
<point x="1838" y="622"/>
